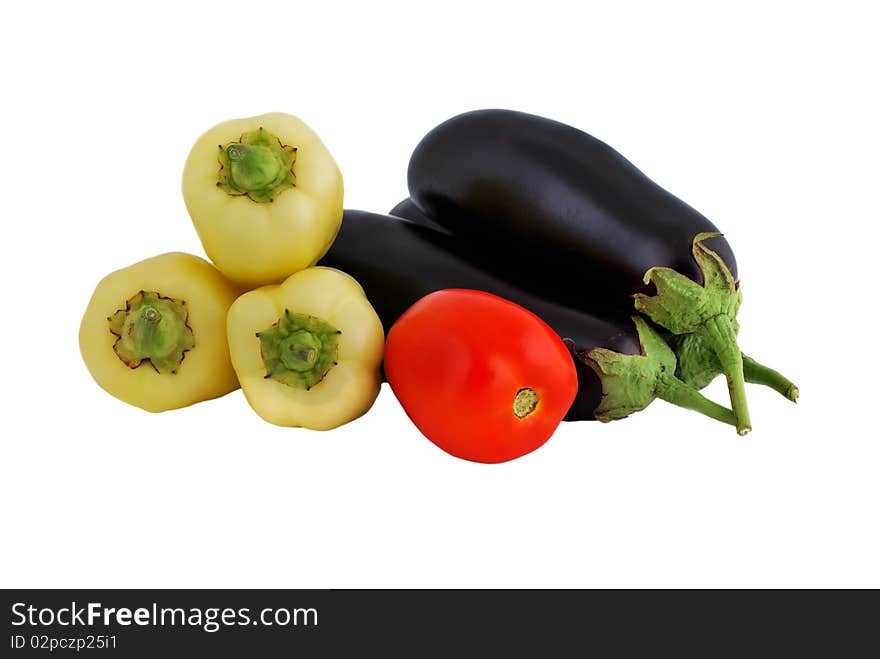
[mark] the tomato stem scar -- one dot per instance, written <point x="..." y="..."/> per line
<point x="525" y="402"/>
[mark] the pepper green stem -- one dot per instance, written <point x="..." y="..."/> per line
<point x="721" y="337"/>
<point x="757" y="373"/>
<point x="258" y="165"/>
<point x="299" y="350"/>
<point x="632" y="382"/>
<point x="152" y="328"/>
<point x="252" y="167"/>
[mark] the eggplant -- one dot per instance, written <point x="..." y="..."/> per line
<point x="697" y="365"/>
<point x="568" y="207"/>
<point x="622" y="362"/>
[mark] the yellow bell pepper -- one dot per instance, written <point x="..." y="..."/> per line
<point x="154" y="334"/>
<point x="307" y="352"/>
<point x="265" y="196"/>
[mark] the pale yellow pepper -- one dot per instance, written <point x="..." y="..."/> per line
<point x="265" y="196"/>
<point x="307" y="352"/>
<point x="154" y="333"/>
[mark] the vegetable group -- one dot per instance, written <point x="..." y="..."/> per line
<point x="154" y="333"/>
<point x="533" y="276"/>
<point x="478" y="393"/>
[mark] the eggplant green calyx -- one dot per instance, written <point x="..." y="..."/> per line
<point x="525" y="402"/>
<point x="683" y="306"/>
<point x="258" y="165"/>
<point x="299" y="350"/>
<point x="698" y="365"/>
<point x="631" y="382"/>
<point x="152" y="328"/>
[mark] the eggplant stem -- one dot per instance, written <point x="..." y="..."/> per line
<point x="631" y="382"/>
<point x="674" y="391"/>
<point x="720" y="334"/>
<point x="756" y="373"/>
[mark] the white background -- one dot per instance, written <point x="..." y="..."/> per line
<point x="762" y="116"/>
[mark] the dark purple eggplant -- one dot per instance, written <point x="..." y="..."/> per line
<point x="697" y="365"/>
<point x="622" y="363"/>
<point x="569" y="208"/>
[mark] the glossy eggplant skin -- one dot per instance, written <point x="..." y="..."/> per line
<point x="564" y="288"/>
<point x="398" y="262"/>
<point x="408" y="210"/>
<point x="560" y="203"/>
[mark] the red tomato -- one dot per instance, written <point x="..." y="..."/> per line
<point x="481" y="377"/>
